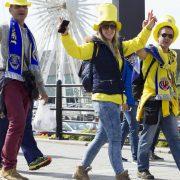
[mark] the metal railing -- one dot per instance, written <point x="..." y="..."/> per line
<point x="59" y="108"/>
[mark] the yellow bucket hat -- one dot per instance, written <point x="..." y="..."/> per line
<point x="167" y="21"/>
<point x="17" y="2"/>
<point x="107" y="12"/>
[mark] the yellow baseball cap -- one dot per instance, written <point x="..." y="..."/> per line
<point x="17" y="2"/>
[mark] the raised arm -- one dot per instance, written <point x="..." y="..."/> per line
<point x="142" y="53"/>
<point x="140" y="41"/>
<point x="83" y="52"/>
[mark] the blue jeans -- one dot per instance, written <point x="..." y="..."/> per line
<point x="168" y="126"/>
<point x="155" y="140"/>
<point x="29" y="146"/>
<point x="109" y="130"/>
<point x="130" y="126"/>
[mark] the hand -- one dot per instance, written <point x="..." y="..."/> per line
<point x="44" y="97"/>
<point x="150" y="22"/>
<point x="63" y="27"/>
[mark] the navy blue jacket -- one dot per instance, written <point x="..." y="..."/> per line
<point x="107" y="77"/>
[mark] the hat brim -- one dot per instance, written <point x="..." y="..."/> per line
<point x="161" y="25"/>
<point x="8" y="4"/>
<point x="118" y="25"/>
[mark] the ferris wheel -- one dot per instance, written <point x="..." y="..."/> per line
<point x="44" y="20"/>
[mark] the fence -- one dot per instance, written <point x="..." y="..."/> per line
<point x="59" y="108"/>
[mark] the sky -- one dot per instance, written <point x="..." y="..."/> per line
<point x="159" y="7"/>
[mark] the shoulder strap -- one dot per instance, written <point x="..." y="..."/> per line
<point x="147" y="72"/>
<point x="94" y="50"/>
<point x="121" y="47"/>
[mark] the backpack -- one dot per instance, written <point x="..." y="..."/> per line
<point x="138" y="80"/>
<point x="86" y="69"/>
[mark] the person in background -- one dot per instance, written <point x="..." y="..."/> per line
<point x="20" y="59"/>
<point x="129" y="124"/>
<point x="159" y="102"/>
<point x="107" y="93"/>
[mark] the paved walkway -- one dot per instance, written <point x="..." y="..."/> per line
<point x="67" y="154"/>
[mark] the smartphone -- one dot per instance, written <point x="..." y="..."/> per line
<point x="63" y="26"/>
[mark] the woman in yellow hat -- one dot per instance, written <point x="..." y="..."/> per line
<point x="159" y="101"/>
<point x="107" y="93"/>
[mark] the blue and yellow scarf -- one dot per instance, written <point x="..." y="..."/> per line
<point x="16" y="50"/>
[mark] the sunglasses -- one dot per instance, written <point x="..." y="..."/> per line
<point x="18" y="7"/>
<point x="107" y="26"/>
<point x="170" y="36"/>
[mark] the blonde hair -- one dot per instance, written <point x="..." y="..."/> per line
<point x="115" y="41"/>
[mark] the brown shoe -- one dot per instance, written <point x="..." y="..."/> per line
<point x="11" y="174"/>
<point x="123" y="176"/>
<point x="81" y="173"/>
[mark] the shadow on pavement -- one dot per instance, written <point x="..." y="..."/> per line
<point x="68" y="176"/>
<point x="49" y="174"/>
<point x="55" y="156"/>
<point x="163" y="165"/>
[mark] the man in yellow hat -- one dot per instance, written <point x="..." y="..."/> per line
<point x="159" y="102"/>
<point x="20" y="60"/>
<point x="107" y="90"/>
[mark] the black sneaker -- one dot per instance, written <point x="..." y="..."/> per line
<point x="145" y="174"/>
<point x="40" y="162"/>
<point x="154" y="157"/>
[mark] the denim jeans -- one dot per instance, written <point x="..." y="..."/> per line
<point x="109" y="130"/>
<point x="130" y="126"/>
<point x="168" y="126"/>
<point x="29" y="146"/>
<point x="155" y="140"/>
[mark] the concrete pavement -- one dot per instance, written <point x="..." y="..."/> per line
<point x="67" y="154"/>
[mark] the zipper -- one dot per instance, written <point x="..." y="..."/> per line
<point x="111" y="81"/>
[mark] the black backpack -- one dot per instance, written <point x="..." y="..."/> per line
<point x="138" y="80"/>
<point x="86" y="69"/>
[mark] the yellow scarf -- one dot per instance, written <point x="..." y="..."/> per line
<point x="165" y="82"/>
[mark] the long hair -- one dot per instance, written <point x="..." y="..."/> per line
<point x="115" y="41"/>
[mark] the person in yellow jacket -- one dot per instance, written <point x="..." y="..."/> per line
<point x="107" y="93"/>
<point x="158" y="105"/>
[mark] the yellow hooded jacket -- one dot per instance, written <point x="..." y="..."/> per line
<point x="168" y="106"/>
<point x="85" y="51"/>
